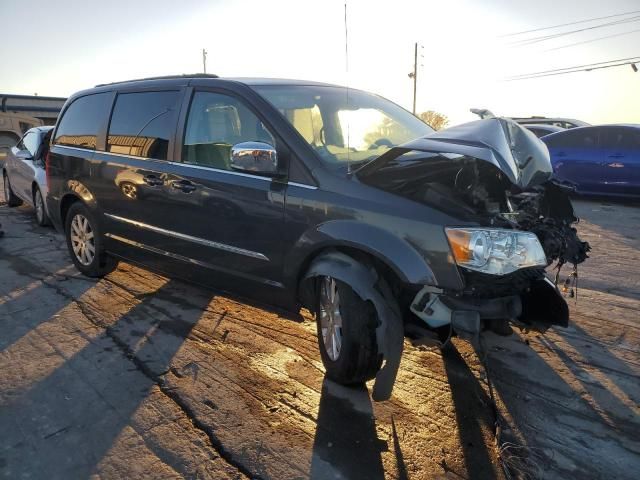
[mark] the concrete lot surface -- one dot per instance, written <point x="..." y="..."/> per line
<point x="137" y="375"/>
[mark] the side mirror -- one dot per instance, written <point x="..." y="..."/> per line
<point x="24" y="155"/>
<point x="254" y="157"/>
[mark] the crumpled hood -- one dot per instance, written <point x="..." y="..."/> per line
<point x="516" y="151"/>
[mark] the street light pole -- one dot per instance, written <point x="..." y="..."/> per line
<point x="204" y="60"/>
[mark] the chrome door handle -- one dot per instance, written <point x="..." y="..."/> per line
<point x="152" y="180"/>
<point x="183" y="185"/>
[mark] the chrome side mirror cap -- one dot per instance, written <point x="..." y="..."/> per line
<point x="254" y="157"/>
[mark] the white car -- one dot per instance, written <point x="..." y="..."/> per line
<point x="24" y="176"/>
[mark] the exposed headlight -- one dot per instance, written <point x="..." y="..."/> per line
<point x="495" y="251"/>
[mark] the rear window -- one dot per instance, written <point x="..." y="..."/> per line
<point x="82" y="121"/>
<point x="142" y="124"/>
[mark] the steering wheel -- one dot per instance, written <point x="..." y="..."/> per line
<point x="381" y="142"/>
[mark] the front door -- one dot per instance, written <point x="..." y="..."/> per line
<point x="231" y="220"/>
<point x="577" y="156"/>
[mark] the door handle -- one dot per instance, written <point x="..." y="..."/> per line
<point x="152" y="180"/>
<point x="616" y="155"/>
<point x="561" y="154"/>
<point x="183" y="185"/>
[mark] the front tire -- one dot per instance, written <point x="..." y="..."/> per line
<point x="41" y="211"/>
<point x="346" y="328"/>
<point x="85" y="242"/>
<point x="10" y="197"/>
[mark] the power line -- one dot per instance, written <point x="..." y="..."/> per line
<point x="568" y="24"/>
<point x="530" y="41"/>
<point x="593" y="40"/>
<point x="577" y="68"/>
<point x="637" y="58"/>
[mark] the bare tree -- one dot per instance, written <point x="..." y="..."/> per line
<point x="436" y="120"/>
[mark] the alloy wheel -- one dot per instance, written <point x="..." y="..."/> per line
<point x="82" y="239"/>
<point x="330" y="317"/>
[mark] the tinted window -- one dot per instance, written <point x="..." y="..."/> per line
<point x="82" y="121"/>
<point x="575" y="138"/>
<point x="216" y="122"/>
<point x="621" y="138"/>
<point x="29" y="142"/>
<point x="142" y="124"/>
<point x="538" y="132"/>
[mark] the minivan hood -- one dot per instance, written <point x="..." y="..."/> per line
<point x="516" y="151"/>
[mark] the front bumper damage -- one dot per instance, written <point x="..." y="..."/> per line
<point x="537" y="308"/>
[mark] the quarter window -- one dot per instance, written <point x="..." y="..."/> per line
<point x="215" y="123"/>
<point x="142" y="124"/>
<point x="82" y="121"/>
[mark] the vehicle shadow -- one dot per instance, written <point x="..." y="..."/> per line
<point x="23" y="302"/>
<point x="473" y="414"/>
<point x="346" y="444"/>
<point x="542" y="405"/>
<point x="75" y="414"/>
<point x="598" y="357"/>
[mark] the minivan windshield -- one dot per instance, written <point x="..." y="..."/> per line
<point x="344" y="126"/>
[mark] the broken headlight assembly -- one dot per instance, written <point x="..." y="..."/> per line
<point x="495" y="251"/>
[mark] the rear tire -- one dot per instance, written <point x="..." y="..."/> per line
<point x="10" y="197"/>
<point x="347" y="340"/>
<point x="86" y="243"/>
<point x="41" y="211"/>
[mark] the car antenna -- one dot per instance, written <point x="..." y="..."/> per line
<point x="346" y="66"/>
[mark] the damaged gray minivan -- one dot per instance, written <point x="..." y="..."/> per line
<point x="305" y="194"/>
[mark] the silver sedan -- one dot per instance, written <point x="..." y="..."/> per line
<point x="24" y="176"/>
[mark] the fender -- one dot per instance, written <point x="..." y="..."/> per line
<point x="369" y="286"/>
<point x="73" y="189"/>
<point x="397" y="253"/>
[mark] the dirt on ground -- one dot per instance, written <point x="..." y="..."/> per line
<point x="137" y="375"/>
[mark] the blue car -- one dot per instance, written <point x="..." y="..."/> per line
<point x="599" y="160"/>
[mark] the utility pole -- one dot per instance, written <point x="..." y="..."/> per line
<point x="204" y="60"/>
<point x="414" y="75"/>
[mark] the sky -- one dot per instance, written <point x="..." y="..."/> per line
<point x="62" y="46"/>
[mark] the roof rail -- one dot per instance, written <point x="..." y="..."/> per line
<point x="165" y="77"/>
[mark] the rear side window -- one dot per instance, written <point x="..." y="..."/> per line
<point x="575" y="138"/>
<point x="142" y="124"/>
<point x="82" y="121"/>
<point x="621" y="138"/>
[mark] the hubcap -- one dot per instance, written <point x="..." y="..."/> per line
<point x="330" y="317"/>
<point x="82" y="240"/>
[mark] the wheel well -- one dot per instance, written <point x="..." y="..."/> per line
<point x="65" y="205"/>
<point x="34" y="185"/>
<point x="398" y="287"/>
